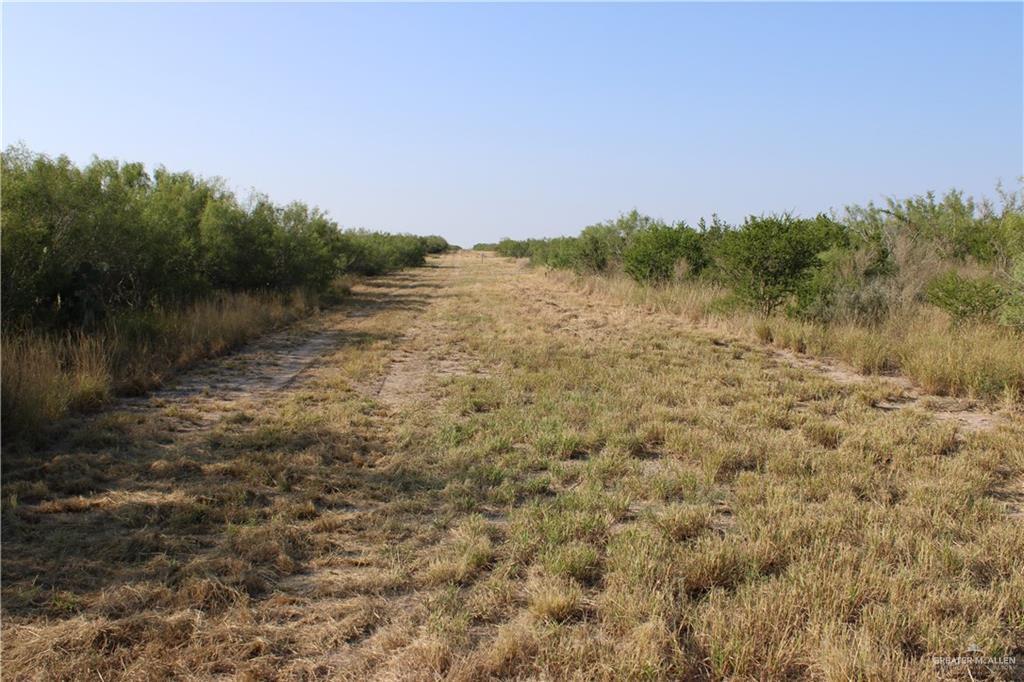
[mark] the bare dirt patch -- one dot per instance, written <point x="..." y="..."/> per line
<point x="426" y="357"/>
<point x="265" y="367"/>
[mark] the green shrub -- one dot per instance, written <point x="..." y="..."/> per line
<point x="238" y="245"/>
<point x="512" y="248"/>
<point x="374" y="253"/>
<point x="82" y="244"/>
<point x="1012" y="313"/>
<point x="956" y="225"/>
<point x="652" y="253"/>
<point x="601" y="247"/>
<point x="966" y="298"/>
<point x="768" y="258"/>
<point x="693" y="248"/>
<point x="560" y="252"/>
<point x="859" y="267"/>
<point x="436" y="244"/>
<point x="845" y="286"/>
<point x="595" y="248"/>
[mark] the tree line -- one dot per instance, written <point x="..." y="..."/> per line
<point x="861" y="265"/>
<point x="82" y="243"/>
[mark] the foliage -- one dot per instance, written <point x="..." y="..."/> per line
<point x="559" y="252"/>
<point x="79" y="244"/>
<point x="436" y="244"/>
<point x="846" y="286"/>
<point x="966" y="298"/>
<point x="693" y="248"/>
<point x="655" y="253"/>
<point x="601" y="247"/>
<point x="652" y="253"/>
<point x="857" y="267"/>
<point x="768" y="258"/>
<point x="513" y="249"/>
<point x="959" y="227"/>
<point x="373" y="253"/>
<point x="596" y="248"/>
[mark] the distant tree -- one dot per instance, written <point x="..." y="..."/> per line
<point x="436" y="244"/>
<point x="514" y="248"/>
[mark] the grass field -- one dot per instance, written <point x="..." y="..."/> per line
<point x="473" y="471"/>
<point x="973" y="360"/>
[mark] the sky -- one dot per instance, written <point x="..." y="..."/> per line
<point x="480" y="121"/>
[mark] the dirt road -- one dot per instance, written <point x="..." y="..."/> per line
<point x="467" y="471"/>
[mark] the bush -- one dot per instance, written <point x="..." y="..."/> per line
<point x="1012" y="314"/>
<point x="82" y="244"/>
<point x="957" y="226"/>
<point x="846" y="286"/>
<point x="967" y="298"/>
<point x="436" y="244"/>
<point x="693" y="249"/>
<point x="512" y="248"/>
<point x="560" y="252"/>
<point x="768" y="258"/>
<point x="373" y="253"/>
<point x="596" y="248"/>
<point x="652" y="254"/>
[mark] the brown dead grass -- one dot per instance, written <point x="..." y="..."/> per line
<point x="47" y="376"/>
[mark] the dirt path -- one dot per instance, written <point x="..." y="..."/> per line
<point x="423" y="358"/>
<point x="279" y="361"/>
<point x="468" y="472"/>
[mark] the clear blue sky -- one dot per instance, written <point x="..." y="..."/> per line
<point x="481" y="121"/>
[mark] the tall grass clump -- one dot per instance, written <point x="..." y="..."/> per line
<point x="976" y="359"/>
<point x="34" y="386"/>
<point x="931" y="287"/>
<point x="47" y="375"/>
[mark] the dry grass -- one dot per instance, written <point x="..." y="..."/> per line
<point x="921" y="342"/>
<point x="613" y="499"/>
<point x="45" y="377"/>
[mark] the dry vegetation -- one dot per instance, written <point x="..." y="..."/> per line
<point x="975" y="360"/>
<point x="930" y="287"/>
<point x="554" y="485"/>
<point x="46" y="375"/>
